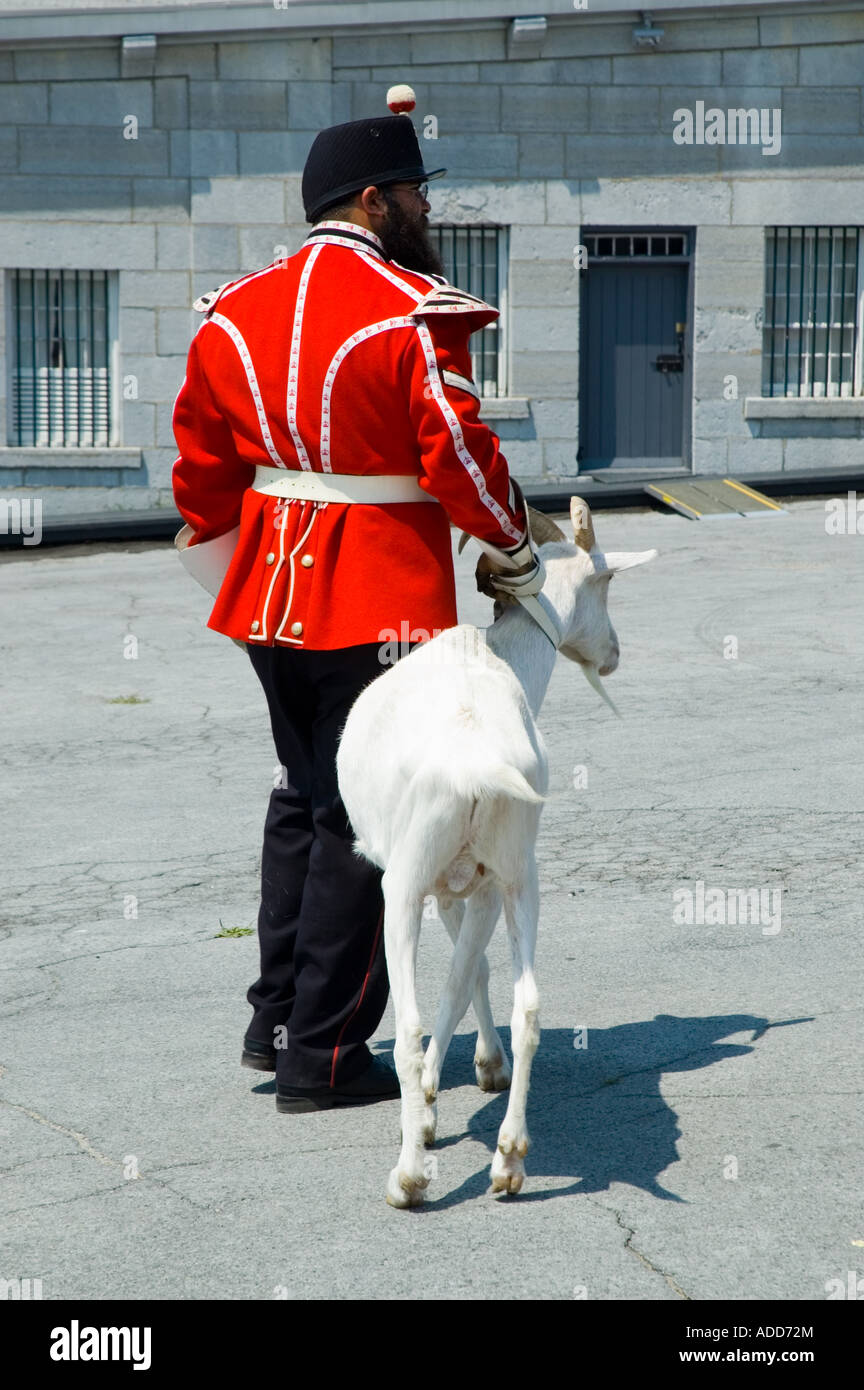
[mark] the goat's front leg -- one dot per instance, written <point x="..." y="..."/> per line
<point x="402" y="917"/>
<point x="521" y="909"/>
<point x="491" y="1066"/>
<point x="470" y="944"/>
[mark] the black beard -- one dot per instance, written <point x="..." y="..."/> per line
<point x="406" y="240"/>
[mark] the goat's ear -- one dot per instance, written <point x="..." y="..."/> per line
<point x="617" y="560"/>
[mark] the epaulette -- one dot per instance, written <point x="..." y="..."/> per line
<point x="447" y="299"/>
<point x="206" y="303"/>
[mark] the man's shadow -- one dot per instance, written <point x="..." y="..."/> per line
<point x="595" y="1112"/>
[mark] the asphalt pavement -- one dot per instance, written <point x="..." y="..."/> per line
<point x="695" y="1109"/>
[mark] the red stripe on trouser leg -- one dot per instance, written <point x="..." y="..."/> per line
<point x="359" y="1001"/>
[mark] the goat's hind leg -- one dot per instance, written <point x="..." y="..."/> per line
<point x="521" y="909"/>
<point x="402" y="917"/>
<point x="491" y="1067"/>
<point x="470" y="943"/>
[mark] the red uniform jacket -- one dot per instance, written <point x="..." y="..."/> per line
<point x="339" y="361"/>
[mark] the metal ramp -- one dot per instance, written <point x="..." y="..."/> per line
<point x="706" y="499"/>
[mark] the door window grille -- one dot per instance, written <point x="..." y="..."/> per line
<point x="811" y="336"/>
<point x="629" y="246"/>
<point x="474" y="260"/>
<point x="60" y="383"/>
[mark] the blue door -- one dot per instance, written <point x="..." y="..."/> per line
<point x="632" y="364"/>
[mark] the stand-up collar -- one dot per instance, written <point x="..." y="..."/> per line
<point x="350" y="233"/>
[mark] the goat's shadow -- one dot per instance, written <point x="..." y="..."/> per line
<point x="595" y="1113"/>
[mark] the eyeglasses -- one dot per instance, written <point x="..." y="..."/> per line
<point x="422" y="189"/>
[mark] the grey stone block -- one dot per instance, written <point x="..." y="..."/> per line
<point x="673" y="202"/>
<point x="726" y="330"/>
<point x="835" y="26"/>
<point x="830" y="110"/>
<point x="23" y="103"/>
<point x="728" y="284"/>
<point x="237" y="200"/>
<point x="464" y="156"/>
<point x="378" y="50"/>
<point x="272" y="59"/>
<point x="10" y="477"/>
<point x="577" y="40"/>
<point x="559" y="458"/>
<point x="274" y="152"/>
<point x="710" y="456"/>
<point x="720" y="419"/>
<point x="347" y="75"/>
<point x="667" y="69"/>
<point x="75" y="63"/>
<point x="170" y="103"/>
<point x="310" y="105"/>
<point x="101" y="103"/>
<point x="76" y="246"/>
<point x="7" y="68"/>
<point x="550" y="284"/>
<point x="536" y="71"/>
<point x="524" y="458"/>
<point x="214" y="246"/>
<point x="154" y="288"/>
<point x="238" y="105"/>
<point x="750" y="455"/>
<point x="781" y="202"/>
<point x="625" y="108"/>
<point x="341" y="98"/>
<point x="541" y="155"/>
<point x="204" y="153"/>
<point x="159" y="463"/>
<point x="160" y="200"/>
<point x="525" y="107"/>
<point x="138" y="425"/>
<point x="71" y="477"/>
<point x="175" y="329"/>
<point x="801" y="157"/>
<point x="259" y="246"/>
<point x="458" y="46"/>
<point x="465" y="202"/>
<point x="8" y="149"/>
<point x="543" y="243"/>
<point x="55" y="150"/>
<point x="173" y="246"/>
<point x="545" y="329"/>
<point x="607" y="156"/>
<point x="771" y="67"/>
<point x="197" y="60"/>
<point x="88" y="199"/>
<point x="556" y="417"/>
<point x="593" y="71"/>
<point x="159" y="378"/>
<point x="458" y="108"/>
<point x="729" y="31"/>
<point x="544" y="372"/>
<point x="137" y="330"/>
<point x="419" y="73"/>
<point x="803" y="453"/>
<point x="832" y="65"/>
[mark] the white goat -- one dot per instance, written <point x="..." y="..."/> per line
<point x="443" y="772"/>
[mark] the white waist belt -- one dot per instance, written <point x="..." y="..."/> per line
<point x="338" y="487"/>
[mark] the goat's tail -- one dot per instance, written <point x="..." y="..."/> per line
<point x="499" y="780"/>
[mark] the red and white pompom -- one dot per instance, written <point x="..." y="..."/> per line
<point x="401" y="99"/>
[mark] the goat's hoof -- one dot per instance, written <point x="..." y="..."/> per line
<point x="508" y="1170"/>
<point x="493" y="1074"/>
<point x="404" y="1191"/>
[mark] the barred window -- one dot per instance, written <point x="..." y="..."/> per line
<point x="811" y="337"/>
<point x="60" y="370"/>
<point x="475" y="259"/>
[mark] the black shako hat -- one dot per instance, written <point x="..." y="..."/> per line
<point x="345" y="158"/>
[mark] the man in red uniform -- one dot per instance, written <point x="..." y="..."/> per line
<point x="328" y="408"/>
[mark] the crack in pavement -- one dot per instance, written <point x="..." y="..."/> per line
<point x="643" y="1258"/>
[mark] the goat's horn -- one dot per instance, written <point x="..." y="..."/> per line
<point x="543" y="528"/>
<point x="583" y="524"/>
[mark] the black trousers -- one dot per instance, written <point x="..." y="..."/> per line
<point x="323" y="985"/>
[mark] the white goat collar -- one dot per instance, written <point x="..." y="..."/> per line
<point x="542" y="617"/>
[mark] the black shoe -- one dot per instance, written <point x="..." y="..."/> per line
<point x="377" y="1082"/>
<point x="260" y="1056"/>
